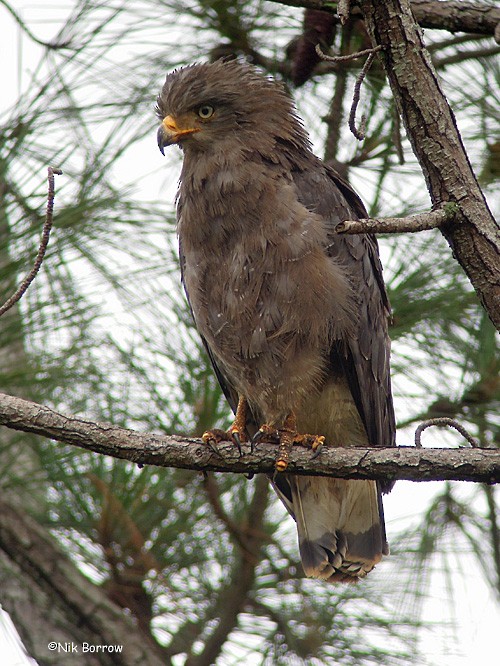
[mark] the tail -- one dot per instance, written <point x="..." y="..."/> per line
<point x="340" y="526"/>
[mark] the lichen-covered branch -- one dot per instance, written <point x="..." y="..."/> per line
<point x="417" y="464"/>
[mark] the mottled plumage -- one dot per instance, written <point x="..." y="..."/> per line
<point x="293" y="315"/>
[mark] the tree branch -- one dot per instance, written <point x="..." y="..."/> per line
<point x="457" y="16"/>
<point x="452" y="15"/>
<point x="42" y="247"/>
<point x="473" y="236"/>
<point x="59" y="604"/>
<point x="397" y="225"/>
<point x="416" y="464"/>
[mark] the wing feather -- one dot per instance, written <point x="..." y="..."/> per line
<point x="364" y="357"/>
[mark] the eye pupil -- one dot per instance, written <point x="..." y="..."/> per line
<point x="205" y="111"/>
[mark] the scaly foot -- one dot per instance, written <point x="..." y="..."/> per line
<point x="287" y="436"/>
<point x="236" y="433"/>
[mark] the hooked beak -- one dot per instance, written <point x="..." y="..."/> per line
<point x="169" y="133"/>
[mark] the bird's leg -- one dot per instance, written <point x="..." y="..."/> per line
<point x="236" y="433"/>
<point x="287" y="436"/>
<point x="286" y="442"/>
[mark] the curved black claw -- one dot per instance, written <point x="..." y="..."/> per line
<point x="259" y="435"/>
<point x="317" y="451"/>
<point x="264" y="434"/>
<point x="255" y="440"/>
<point x="212" y="437"/>
<point x="210" y="442"/>
<point x="236" y="437"/>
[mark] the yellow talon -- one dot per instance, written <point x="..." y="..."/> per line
<point x="208" y="437"/>
<point x="280" y="465"/>
<point x="318" y="441"/>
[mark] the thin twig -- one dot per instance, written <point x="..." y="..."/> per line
<point x="43" y="244"/>
<point x="441" y="422"/>
<point x="359" y="132"/>
<point x="349" y="56"/>
<point x="398" y="225"/>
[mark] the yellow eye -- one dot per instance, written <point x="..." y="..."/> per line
<point x="205" y="111"/>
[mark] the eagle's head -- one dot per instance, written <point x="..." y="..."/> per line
<point x="223" y="103"/>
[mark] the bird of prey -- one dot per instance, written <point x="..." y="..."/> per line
<point x="292" y="314"/>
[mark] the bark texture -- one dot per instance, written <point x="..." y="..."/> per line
<point x="417" y="464"/>
<point x="457" y="16"/>
<point x="60" y="605"/>
<point x="452" y="15"/>
<point x="474" y="236"/>
<point x="397" y="225"/>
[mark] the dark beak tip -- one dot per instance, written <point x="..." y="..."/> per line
<point x="160" y="136"/>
